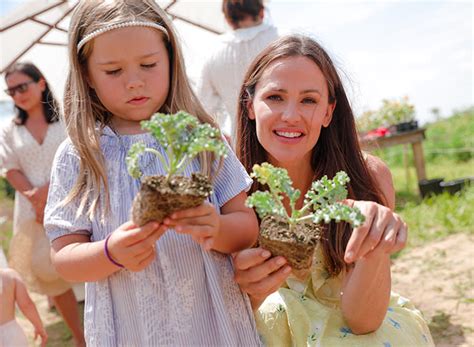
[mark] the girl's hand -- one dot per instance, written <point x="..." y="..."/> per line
<point x="257" y="275"/>
<point x="134" y="247"/>
<point x="39" y="331"/>
<point x="383" y="232"/>
<point x="201" y="222"/>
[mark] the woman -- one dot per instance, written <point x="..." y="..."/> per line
<point x="294" y="113"/>
<point x="27" y="148"/>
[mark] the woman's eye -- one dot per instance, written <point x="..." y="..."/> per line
<point x="148" y="66"/>
<point x="309" y="101"/>
<point x="274" y="97"/>
<point x="113" y="72"/>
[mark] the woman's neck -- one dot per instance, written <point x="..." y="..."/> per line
<point x="36" y="114"/>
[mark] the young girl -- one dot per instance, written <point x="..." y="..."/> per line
<point x="295" y="114"/>
<point x="27" y="147"/>
<point x="150" y="285"/>
<point x="13" y="291"/>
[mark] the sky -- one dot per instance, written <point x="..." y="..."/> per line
<point x="384" y="49"/>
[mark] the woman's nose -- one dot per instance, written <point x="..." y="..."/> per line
<point x="290" y="112"/>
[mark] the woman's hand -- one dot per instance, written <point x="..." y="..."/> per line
<point x="38" y="196"/>
<point x="134" y="247"/>
<point x="382" y="232"/>
<point x="201" y="222"/>
<point x="257" y="275"/>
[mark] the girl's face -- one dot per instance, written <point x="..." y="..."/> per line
<point x="129" y="71"/>
<point x="289" y="107"/>
<point x="27" y="93"/>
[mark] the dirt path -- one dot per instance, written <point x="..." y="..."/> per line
<point x="438" y="277"/>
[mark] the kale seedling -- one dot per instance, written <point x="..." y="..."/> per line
<point x="182" y="137"/>
<point x="294" y="234"/>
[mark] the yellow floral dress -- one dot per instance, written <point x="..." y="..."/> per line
<point x="308" y="313"/>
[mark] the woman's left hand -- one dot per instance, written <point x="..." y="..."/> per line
<point x="201" y="222"/>
<point x="382" y="232"/>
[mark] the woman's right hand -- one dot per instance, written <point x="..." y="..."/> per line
<point x="133" y="246"/>
<point x="258" y="275"/>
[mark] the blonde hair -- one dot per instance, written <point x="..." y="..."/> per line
<point x="83" y="109"/>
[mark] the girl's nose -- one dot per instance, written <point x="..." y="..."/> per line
<point x="134" y="81"/>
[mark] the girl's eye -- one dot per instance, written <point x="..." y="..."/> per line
<point x="274" y="97"/>
<point x="309" y="101"/>
<point x="113" y="72"/>
<point x="148" y="66"/>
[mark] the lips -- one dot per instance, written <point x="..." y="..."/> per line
<point x="139" y="100"/>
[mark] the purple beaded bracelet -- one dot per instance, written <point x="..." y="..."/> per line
<point x="106" y="251"/>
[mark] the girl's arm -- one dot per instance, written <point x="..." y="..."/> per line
<point x="236" y="228"/>
<point x="366" y="287"/>
<point x="78" y="260"/>
<point x="28" y="308"/>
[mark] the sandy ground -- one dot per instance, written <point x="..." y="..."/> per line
<point x="437" y="277"/>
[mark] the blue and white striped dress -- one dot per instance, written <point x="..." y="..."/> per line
<point x="187" y="296"/>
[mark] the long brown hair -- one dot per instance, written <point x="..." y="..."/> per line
<point x="50" y="104"/>
<point x="83" y="109"/>
<point x="337" y="147"/>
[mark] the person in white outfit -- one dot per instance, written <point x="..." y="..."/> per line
<point x="222" y="74"/>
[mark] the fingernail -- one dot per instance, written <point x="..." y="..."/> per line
<point x="280" y="261"/>
<point x="287" y="269"/>
<point x="349" y="256"/>
<point x="265" y="254"/>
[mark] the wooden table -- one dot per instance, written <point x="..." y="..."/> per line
<point x="414" y="137"/>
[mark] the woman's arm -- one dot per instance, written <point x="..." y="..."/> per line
<point x="78" y="260"/>
<point x="366" y="287"/>
<point x="19" y="181"/>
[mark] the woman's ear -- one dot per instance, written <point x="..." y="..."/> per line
<point x="42" y="84"/>
<point x="251" y="114"/>
<point x="328" y="117"/>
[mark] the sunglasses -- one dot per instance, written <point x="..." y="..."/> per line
<point x="21" y="88"/>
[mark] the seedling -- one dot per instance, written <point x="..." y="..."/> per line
<point x="182" y="137"/>
<point x="294" y="234"/>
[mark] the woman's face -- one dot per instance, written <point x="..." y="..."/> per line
<point x="30" y="94"/>
<point x="289" y="107"/>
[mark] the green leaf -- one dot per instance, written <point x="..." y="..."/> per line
<point x="182" y="136"/>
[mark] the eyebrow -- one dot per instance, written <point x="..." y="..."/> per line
<point x="111" y="62"/>
<point x="303" y="92"/>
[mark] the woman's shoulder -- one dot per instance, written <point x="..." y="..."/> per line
<point x="383" y="177"/>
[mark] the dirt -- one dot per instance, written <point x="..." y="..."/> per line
<point x="159" y="198"/>
<point x="438" y="278"/>
<point x="296" y="244"/>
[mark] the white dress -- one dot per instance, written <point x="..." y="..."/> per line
<point x="29" y="249"/>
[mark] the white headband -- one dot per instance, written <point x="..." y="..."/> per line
<point x="98" y="32"/>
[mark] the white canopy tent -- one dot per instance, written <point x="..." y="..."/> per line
<point x="36" y="31"/>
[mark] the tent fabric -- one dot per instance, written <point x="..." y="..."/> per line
<point x="37" y="31"/>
